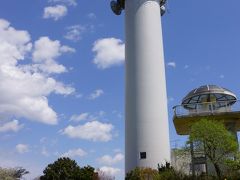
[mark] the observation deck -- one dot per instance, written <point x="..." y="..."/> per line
<point x="209" y="101"/>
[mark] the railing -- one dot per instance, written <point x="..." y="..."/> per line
<point x="206" y="108"/>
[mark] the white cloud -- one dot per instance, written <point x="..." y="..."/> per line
<point x="55" y="12"/>
<point x="109" y="160"/>
<point x="87" y="116"/>
<point x="67" y="2"/>
<point x="108" y="52"/>
<point x="24" y="88"/>
<point x="45" y="53"/>
<point x="72" y="153"/>
<point x="80" y="117"/>
<point x="94" y="131"/>
<point x="74" y="33"/>
<point x="96" y="94"/>
<point x="172" y="64"/>
<point x="110" y="170"/>
<point x="11" y="126"/>
<point x="22" y="148"/>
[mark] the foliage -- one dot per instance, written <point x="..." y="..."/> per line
<point x="165" y="167"/>
<point x="167" y="172"/>
<point x="67" y="169"/>
<point x="212" y="138"/>
<point x="142" y="174"/>
<point x="12" y="173"/>
<point x="164" y="172"/>
<point x="87" y="173"/>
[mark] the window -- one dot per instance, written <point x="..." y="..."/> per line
<point x="143" y="155"/>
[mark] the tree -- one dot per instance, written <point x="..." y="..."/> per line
<point x="12" y="173"/>
<point x="87" y="173"/>
<point x="67" y="169"/>
<point x="212" y="138"/>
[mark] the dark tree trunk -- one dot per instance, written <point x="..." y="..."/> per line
<point x="218" y="170"/>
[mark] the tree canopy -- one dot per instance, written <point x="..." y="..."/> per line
<point x="67" y="169"/>
<point x="212" y="138"/>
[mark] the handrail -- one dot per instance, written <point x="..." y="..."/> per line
<point x="206" y="108"/>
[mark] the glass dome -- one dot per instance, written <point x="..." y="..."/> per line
<point x="209" y="94"/>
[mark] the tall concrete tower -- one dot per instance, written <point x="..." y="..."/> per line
<point x="146" y="119"/>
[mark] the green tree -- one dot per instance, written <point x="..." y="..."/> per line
<point x="87" y="173"/>
<point x="212" y="138"/>
<point x="67" y="169"/>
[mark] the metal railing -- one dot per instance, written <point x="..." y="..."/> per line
<point x="206" y="108"/>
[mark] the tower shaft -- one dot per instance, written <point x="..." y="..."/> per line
<point x="146" y="119"/>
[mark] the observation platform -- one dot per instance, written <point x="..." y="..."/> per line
<point x="183" y="119"/>
<point x="208" y="101"/>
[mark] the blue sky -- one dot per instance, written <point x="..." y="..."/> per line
<point x="62" y="75"/>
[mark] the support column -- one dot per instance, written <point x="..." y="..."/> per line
<point x="146" y="119"/>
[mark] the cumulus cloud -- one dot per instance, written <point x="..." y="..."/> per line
<point x="72" y="153"/>
<point x="109" y="160"/>
<point x="80" y="117"/>
<point x="96" y="94"/>
<point x="74" y="33"/>
<point x="13" y="126"/>
<point x="172" y="64"/>
<point x="93" y="131"/>
<point x="22" y="148"/>
<point x="110" y="170"/>
<point x="67" y="2"/>
<point x="45" y="53"/>
<point x="55" y="12"/>
<point x="108" y="52"/>
<point x="24" y="87"/>
<point x="87" y="116"/>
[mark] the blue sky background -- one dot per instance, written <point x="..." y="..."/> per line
<point x="201" y="43"/>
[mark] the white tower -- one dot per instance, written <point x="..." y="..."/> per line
<point x="146" y="119"/>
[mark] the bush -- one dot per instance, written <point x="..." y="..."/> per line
<point x="142" y="174"/>
<point x="164" y="172"/>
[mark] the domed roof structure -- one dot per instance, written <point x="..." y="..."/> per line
<point x="209" y="94"/>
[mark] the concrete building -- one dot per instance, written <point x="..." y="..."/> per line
<point x="211" y="102"/>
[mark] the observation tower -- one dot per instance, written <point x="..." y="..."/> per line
<point x="146" y="115"/>
<point x="211" y="102"/>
